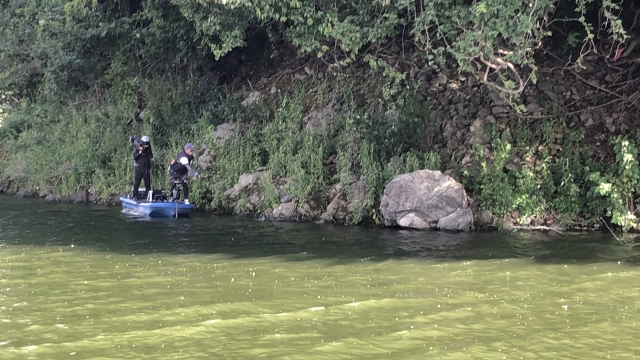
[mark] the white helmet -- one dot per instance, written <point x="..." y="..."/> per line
<point x="145" y="139"/>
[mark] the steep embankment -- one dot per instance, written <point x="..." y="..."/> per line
<point x="316" y="144"/>
<point x="562" y="153"/>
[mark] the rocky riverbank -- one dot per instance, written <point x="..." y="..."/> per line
<point x="482" y="146"/>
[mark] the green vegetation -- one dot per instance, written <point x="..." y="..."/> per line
<point x="78" y="77"/>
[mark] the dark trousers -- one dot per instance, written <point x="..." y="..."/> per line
<point x="185" y="187"/>
<point x="141" y="173"/>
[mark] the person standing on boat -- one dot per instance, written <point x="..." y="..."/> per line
<point x="142" y="155"/>
<point x="179" y="170"/>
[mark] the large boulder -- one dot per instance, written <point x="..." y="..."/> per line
<point x="207" y="161"/>
<point x="246" y="183"/>
<point x="426" y="199"/>
<point x="224" y="133"/>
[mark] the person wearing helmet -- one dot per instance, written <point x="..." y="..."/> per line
<point x="179" y="170"/>
<point x="142" y="155"/>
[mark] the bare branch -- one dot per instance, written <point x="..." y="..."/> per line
<point x="584" y="80"/>
<point x="500" y="64"/>
<point x="635" y="20"/>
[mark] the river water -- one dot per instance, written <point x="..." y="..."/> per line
<point x="88" y="282"/>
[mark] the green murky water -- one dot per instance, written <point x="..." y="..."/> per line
<point x="88" y="282"/>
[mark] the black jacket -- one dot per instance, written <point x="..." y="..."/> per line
<point x="177" y="168"/>
<point x="142" y="161"/>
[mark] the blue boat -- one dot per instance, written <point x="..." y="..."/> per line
<point x="157" y="206"/>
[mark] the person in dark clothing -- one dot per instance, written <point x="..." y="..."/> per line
<point x="179" y="170"/>
<point x="142" y="156"/>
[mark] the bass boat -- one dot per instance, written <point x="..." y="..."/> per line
<point x="154" y="203"/>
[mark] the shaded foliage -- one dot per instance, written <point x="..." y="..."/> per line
<point x="66" y="48"/>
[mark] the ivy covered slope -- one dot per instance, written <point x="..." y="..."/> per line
<point x="531" y="105"/>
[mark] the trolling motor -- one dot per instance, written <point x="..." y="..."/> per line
<point x="175" y="193"/>
<point x="177" y="184"/>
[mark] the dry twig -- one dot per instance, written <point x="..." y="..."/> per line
<point x="601" y="88"/>
<point x="611" y="231"/>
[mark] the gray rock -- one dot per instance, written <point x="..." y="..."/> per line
<point x="318" y="120"/>
<point x="448" y="128"/>
<point x="460" y="220"/>
<point x="499" y="110"/>
<point x="477" y="133"/>
<point x="483" y="219"/>
<point x="284" y="211"/>
<point x="285" y="199"/>
<point x="585" y="115"/>
<point x="306" y="211"/>
<point x="331" y="160"/>
<point x="344" y="203"/>
<point x="79" y="196"/>
<point x="26" y="194"/>
<point x="253" y="97"/>
<point x="545" y="85"/>
<point x="245" y="182"/>
<point x="207" y="160"/>
<point x="425" y="194"/>
<point x="497" y="99"/>
<point x="536" y="221"/>
<point x="534" y="107"/>
<point x="53" y="198"/>
<point x="224" y="133"/>
<point x="354" y="178"/>
<point x="253" y="201"/>
<point x="483" y="113"/>
<point x="413" y="221"/>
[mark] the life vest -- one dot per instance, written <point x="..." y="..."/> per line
<point x="176" y="165"/>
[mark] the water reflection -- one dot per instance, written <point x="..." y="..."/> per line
<point x="28" y="221"/>
<point x="425" y="244"/>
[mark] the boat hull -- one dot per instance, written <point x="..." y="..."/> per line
<point x="166" y="209"/>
